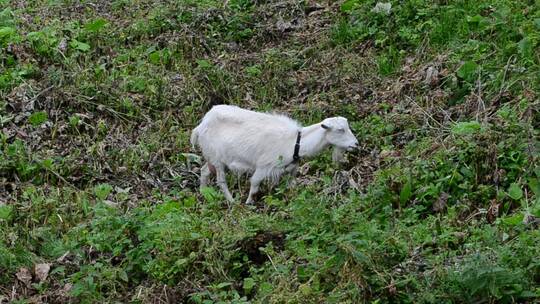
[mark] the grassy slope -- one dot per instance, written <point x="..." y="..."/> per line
<point x="96" y="179"/>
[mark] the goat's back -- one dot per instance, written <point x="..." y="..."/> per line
<point x="243" y="138"/>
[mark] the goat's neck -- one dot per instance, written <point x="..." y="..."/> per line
<point x="313" y="140"/>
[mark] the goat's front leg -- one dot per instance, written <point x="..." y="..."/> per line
<point x="291" y="170"/>
<point x="222" y="182"/>
<point x="255" y="181"/>
<point x="292" y="177"/>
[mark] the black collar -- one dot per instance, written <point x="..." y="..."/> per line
<point x="296" y="156"/>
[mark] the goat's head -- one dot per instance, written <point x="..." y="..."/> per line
<point x="339" y="134"/>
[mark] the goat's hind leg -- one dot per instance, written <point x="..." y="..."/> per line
<point x="255" y="182"/>
<point x="205" y="176"/>
<point x="222" y="182"/>
<point x="207" y="170"/>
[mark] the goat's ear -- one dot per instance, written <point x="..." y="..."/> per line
<point x="325" y="127"/>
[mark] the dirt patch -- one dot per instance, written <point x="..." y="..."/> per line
<point x="251" y="245"/>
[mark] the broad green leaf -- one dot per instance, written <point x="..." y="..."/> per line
<point x="265" y="288"/>
<point x="210" y="194"/>
<point x="154" y="58"/>
<point x="96" y="25"/>
<point x="515" y="192"/>
<point x="33" y="35"/>
<point x="249" y="283"/>
<point x="348" y="5"/>
<point x="246" y="33"/>
<point x="525" y="47"/>
<point x="102" y="191"/>
<point x="466" y="127"/>
<point x="78" y="289"/>
<point x="223" y="285"/>
<point x="475" y="19"/>
<point x="167" y="207"/>
<point x="204" y="64"/>
<point x="406" y="192"/>
<point x="123" y="275"/>
<point x="530" y="294"/>
<point x="534" y="185"/>
<point x="513" y="220"/>
<point x="360" y="257"/>
<point x="81" y="46"/>
<point x="5" y="212"/>
<point x="467" y="71"/>
<point x="478" y="21"/>
<point x="466" y="172"/>
<point x="181" y="262"/>
<point x="195" y="235"/>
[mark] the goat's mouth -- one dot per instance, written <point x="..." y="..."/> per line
<point x="352" y="148"/>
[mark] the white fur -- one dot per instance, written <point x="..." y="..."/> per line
<point x="262" y="144"/>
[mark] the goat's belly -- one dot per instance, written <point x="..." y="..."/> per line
<point x="239" y="167"/>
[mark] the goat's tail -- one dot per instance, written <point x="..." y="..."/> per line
<point x="194" y="139"/>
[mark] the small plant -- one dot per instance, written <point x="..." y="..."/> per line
<point x="96" y="25"/>
<point x="102" y="191"/>
<point x="80" y="46"/>
<point x="481" y="279"/>
<point x="7" y="35"/>
<point x="44" y="42"/>
<point x="254" y="70"/>
<point x="6" y="212"/>
<point x="74" y="121"/>
<point x="38" y="118"/>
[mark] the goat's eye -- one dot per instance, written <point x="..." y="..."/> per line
<point x="341" y="130"/>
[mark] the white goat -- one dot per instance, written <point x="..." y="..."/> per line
<point x="266" y="145"/>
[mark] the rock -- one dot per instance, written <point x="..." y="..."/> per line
<point x="42" y="271"/>
<point x="24" y="275"/>
<point x="432" y="76"/>
<point x="382" y="7"/>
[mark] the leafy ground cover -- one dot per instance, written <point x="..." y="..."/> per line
<point x="98" y="184"/>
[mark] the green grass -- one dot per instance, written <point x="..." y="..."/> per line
<point x="97" y="177"/>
